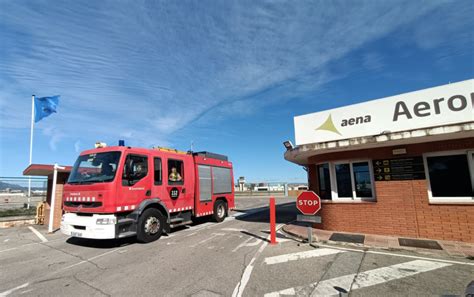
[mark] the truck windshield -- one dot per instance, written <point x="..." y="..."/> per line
<point x="92" y="168"/>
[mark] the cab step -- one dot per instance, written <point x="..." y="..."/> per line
<point x="127" y="234"/>
<point x="176" y="220"/>
<point x="180" y="224"/>
<point x="125" y="221"/>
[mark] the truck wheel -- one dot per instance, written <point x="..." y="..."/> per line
<point x="150" y="225"/>
<point x="220" y="211"/>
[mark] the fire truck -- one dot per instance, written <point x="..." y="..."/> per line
<point x="122" y="191"/>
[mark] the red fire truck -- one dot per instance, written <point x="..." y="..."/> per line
<point x="120" y="191"/>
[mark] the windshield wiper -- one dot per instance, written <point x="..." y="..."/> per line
<point x="80" y="182"/>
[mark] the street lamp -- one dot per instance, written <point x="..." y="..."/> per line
<point x="288" y="145"/>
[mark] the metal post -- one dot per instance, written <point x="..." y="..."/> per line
<point x="31" y="145"/>
<point x="286" y="190"/>
<point x="272" y="221"/>
<point x="310" y="234"/>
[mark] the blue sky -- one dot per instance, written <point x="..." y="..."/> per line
<point x="226" y="75"/>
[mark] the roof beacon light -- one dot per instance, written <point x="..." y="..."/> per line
<point x="121" y="142"/>
<point x="99" y="144"/>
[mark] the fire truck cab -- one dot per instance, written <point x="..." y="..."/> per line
<point x="119" y="191"/>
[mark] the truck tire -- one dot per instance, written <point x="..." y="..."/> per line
<point x="220" y="211"/>
<point x="150" y="225"/>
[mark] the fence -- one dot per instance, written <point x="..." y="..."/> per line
<point x="14" y="199"/>
<point x="269" y="189"/>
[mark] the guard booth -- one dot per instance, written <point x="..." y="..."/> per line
<point x="62" y="176"/>
<point x="399" y="166"/>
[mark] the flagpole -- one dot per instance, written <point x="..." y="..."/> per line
<point x="31" y="144"/>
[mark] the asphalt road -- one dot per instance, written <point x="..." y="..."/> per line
<point x="232" y="258"/>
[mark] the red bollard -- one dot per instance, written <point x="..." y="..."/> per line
<point x="272" y="221"/>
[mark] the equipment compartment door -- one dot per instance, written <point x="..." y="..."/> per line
<point x="205" y="183"/>
<point x="204" y="204"/>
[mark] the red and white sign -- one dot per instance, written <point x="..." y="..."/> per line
<point x="308" y="203"/>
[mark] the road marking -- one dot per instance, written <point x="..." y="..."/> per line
<point x="213" y="235"/>
<point x="242" y="244"/>
<point x="365" y="279"/>
<point x="199" y="227"/>
<point x="398" y="255"/>
<point x="15" y="248"/>
<point x="37" y="233"/>
<point x="233" y="229"/>
<point x="28" y="244"/>
<point x="246" y="243"/>
<point x="376" y="276"/>
<point x="240" y="287"/>
<point x="285" y="292"/>
<point x="301" y="255"/>
<point x="6" y="293"/>
<point x="88" y="260"/>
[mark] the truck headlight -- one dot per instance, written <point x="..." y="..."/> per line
<point x="106" y="221"/>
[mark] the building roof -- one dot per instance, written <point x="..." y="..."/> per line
<point x="429" y="115"/>
<point x="301" y="153"/>
<point x="43" y="170"/>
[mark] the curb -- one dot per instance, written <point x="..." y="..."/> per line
<point x="366" y="247"/>
<point x="17" y="223"/>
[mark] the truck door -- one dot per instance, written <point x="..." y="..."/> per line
<point x="158" y="190"/>
<point x="179" y="184"/>
<point x="136" y="181"/>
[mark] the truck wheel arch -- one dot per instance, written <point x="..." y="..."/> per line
<point x="223" y="199"/>
<point x="154" y="203"/>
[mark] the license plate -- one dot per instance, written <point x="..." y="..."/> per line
<point x="76" y="234"/>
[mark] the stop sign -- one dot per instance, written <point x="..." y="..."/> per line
<point x="308" y="203"/>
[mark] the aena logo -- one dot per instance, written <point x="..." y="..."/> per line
<point x="328" y="125"/>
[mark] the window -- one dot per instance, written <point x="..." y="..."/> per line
<point x="324" y="181"/>
<point x="175" y="172"/>
<point x="136" y="168"/>
<point x="346" y="181"/>
<point x="158" y="171"/>
<point x="450" y="176"/>
<point x="343" y="180"/>
<point x="92" y="168"/>
<point x="362" y="180"/>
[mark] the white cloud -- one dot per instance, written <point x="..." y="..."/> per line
<point x="372" y="61"/>
<point x="55" y="135"/>
<point x="147" y="70"/>
<point x="77" y="146"/>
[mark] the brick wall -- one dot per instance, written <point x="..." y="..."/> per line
<point x="62" y="177"/>
<point x="402" y="207"/>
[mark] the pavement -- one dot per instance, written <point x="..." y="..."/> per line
<point x="448" y="248"/>
<point x="232" y="258"/>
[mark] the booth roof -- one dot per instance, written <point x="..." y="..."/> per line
<point x="44" y="170"/>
